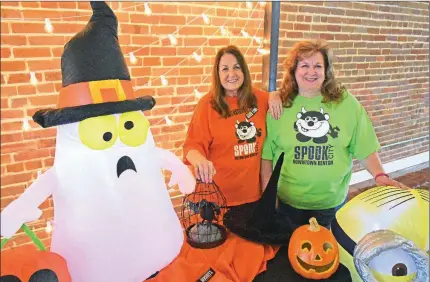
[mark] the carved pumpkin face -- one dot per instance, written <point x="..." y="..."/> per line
<point x="26" y="264"/>
<point x="313" y="251"/>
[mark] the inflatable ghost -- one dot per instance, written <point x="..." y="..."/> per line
<point x="114" y="220"/>
<point x="384" y="231"/>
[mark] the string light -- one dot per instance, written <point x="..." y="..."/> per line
<point x="133" y="59"/>
<point x="197" y="57"/>
<point x="197" y="49"/>
<point x="173" y="39"/>
<point x="205" y="18"/>
<point x="216" y="51"/>
<point x="244" y="33"/>
<point x="168" y="121"/>
<point x="224" y="31"/>
<point x="197" y="94"/>
<point x="25" y="124"/>
<point x="48" y="26"/>
<point x="258" y="40"/>
<point x="148" y="84"/>
<point x="263" y="51"/>
<point x="148" y="11"/>
<point x="48" y="227"/>
<point x="246" y="23"/>
<point x="164" y="80"/>
<point x="248" y="5"/>
<point x="176" y="31"/>
<point x="33" y="79"/>
<point x="262" y="4"/>
<point x="171" y="190"/>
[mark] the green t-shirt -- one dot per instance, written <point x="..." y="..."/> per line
<point x="319" y="141"/>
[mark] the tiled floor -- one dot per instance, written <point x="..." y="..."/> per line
<point x="415" y="179"/>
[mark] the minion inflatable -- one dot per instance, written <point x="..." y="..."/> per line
<point x="113" y="217"/>
<point x="383" y="235"/>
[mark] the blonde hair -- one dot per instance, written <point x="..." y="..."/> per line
<point x="246" y="98"/>
<point x="331" y="90"/>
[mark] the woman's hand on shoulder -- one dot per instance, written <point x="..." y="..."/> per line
<point x="275" y="104"/>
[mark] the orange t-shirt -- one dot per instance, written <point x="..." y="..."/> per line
<point x="232" y="144"/>
<point x="236" y="260"/>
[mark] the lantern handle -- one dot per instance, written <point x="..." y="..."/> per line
<point x="30" y="234"/>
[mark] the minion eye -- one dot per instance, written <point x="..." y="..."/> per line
<point x="394" y="262"/>
<point x="327" y="247"/>
<point x="307" y="246"/>
<point x="98" y="133"/>
<point x="133" y="128"/>
<point x="399" y="269"/>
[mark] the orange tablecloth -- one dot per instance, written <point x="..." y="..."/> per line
<point x="237" y="260"/>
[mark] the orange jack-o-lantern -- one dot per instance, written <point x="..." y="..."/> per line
<point x="27" y="264"/>
<point x="313" y="251"/>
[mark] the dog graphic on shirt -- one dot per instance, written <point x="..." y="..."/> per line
<point x="246" y="131"/>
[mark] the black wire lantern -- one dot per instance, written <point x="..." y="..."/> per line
<point x="202" y="213"/>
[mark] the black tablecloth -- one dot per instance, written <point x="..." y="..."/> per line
<point x="279" y="269"/>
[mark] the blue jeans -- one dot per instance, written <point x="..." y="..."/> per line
<point x="301" y="217"/>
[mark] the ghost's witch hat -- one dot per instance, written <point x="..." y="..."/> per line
<point x="96" y="80"/>
<point x="260" y="221"/>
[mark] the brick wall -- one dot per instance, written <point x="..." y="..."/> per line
<point x="27" y="47"/>
<point x="381" y="55"/>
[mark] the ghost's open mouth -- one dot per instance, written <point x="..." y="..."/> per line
<point x="317" y="269"/>
<point x="123" y="164"/>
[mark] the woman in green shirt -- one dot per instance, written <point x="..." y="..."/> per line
<point x="321" y="131"/>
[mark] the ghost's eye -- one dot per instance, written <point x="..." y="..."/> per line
<point x="399" y="269"/>
<point x="306" y="246"/>
<point x="128" y="125"/>
<point x="133" y="128"/>
<point x="315" y="119"/>
<point x="98" y="133"/>
<point x="308" y="118"/>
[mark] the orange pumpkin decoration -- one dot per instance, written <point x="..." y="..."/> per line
<point x="313" y="251"/>
<point x="27" y="264"/>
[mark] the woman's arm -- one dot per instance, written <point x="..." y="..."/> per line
<point x="374" y="166"/>
<point x="265" y="173"/>
<point x="203" y="168"/>
<point x="275" y="104"/>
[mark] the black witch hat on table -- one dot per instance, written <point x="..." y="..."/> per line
<point x="260" y="221"/>
<point x="96" y="80"/>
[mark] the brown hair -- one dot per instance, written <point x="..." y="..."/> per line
<point x="331" y="90"/>
<point x="246" y="98"/>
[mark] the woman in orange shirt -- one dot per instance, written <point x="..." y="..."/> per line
<point x="226" y="134"/>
